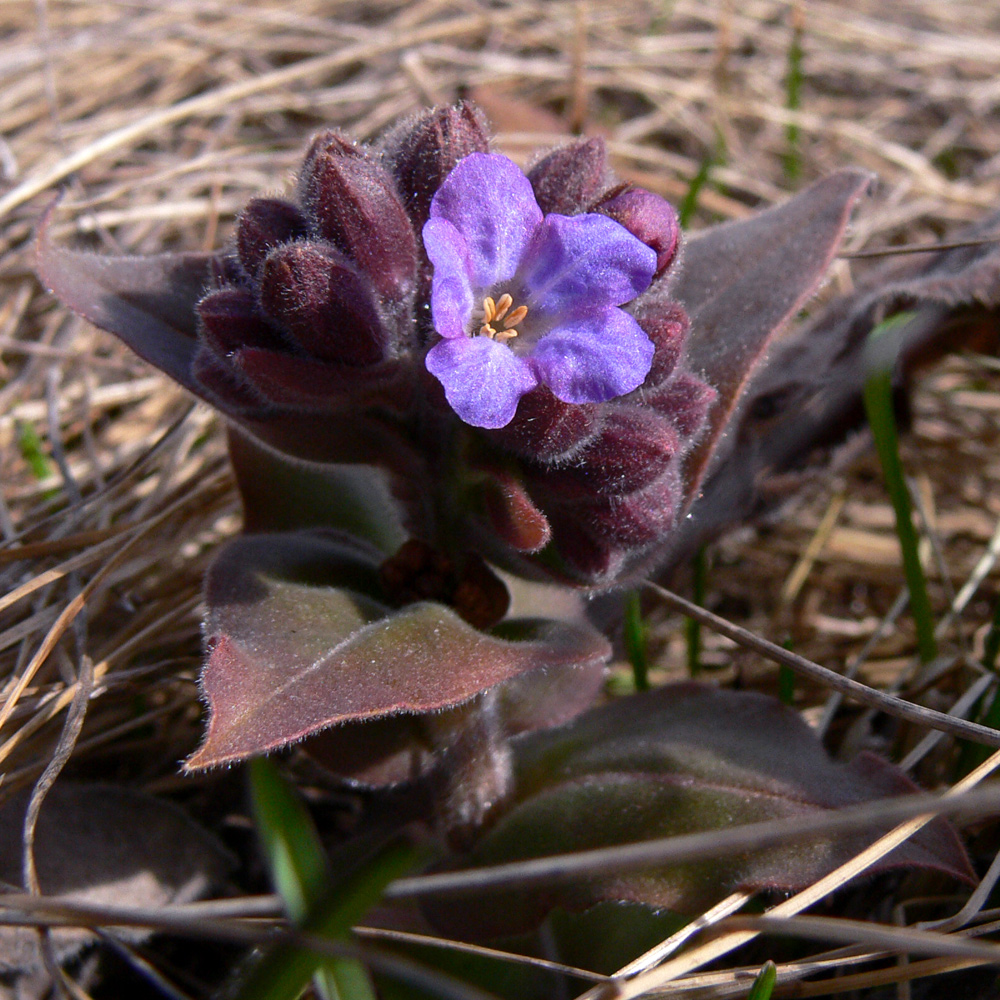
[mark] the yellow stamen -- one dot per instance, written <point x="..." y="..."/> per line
<point x="515" y="317"/>
<point x="503" y="305"/>
<point x="497" y="310"/>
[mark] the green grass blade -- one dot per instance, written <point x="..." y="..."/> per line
<point x="33" y="452"/>
<point x="763" y="985"/>
<point x="689" y="203"/>
<point x="792" y="157"/>
<point x="301" y="873"/>
<point x="973" y="754"/>
<point x="786" y="680"/>
<point x="881" y="358"/>
<point x="285" y="971"/>
<point x="635" y="641"/>
<point x="297" y="861"/>
<point x="786" y="685"/>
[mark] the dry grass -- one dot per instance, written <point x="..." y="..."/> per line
<point x="159" y="120"/>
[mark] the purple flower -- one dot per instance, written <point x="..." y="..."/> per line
<point x="521" y="299"/>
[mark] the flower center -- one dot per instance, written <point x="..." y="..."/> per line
<point x="500" y="311"/>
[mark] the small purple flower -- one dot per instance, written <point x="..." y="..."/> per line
<point x="521" y="299"/>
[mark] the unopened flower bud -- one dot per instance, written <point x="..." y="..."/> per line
<point x="546" y="429"/>
<point x="229" y="322"/>
<point x="514" y="516"/>
<point x="685" y="399"/>
<point x="633" y="448"/>
<point x="303" y="383"/>
<point x="636" y="519"/>
<point x="422" y="153"/>
<point x="322" y="303"/>
<point x="583" y="554"/>
<point x="648" y="217"/>
<point x="263" y="224"/>
<point x="569" y="178"/>
<point x="226" y="385"/>
<point x="667" y="325"/>
<point x="352" y="201"/>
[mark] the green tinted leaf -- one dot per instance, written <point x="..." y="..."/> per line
<point x="883" y="349"/>
<point x="281" y="494"/>
<point x="682" y="759"/>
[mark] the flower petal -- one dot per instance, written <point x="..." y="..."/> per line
<point x="490" y="202"/>
<point x="451" y="289"/>
<point x="595" y="356"/>
<point x="584" y="261"/>
<point x="482" y="380"/>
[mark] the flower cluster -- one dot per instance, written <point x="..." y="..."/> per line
<point x="513" y="332"/>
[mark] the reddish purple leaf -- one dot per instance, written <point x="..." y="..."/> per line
<point x="741" y="283"/>
<point x="148" y="302"/>
<point x="682" y="759"/>
<point x="806" y="399"/>
<point x="300" y="639"/>
<point x="395" y="749"/>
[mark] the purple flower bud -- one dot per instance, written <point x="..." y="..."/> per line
<point x="685" y="399"/>
<point x="666" y="324"/>
<point x="648" y="217"/>
<point x="313" y="293"/>
<point x="636" y="519"/>
<point x="227" y="386"/>
<point x="584" y="556"/>
<point x="263" y="225"/>
<point x="569" y="178"/>
<point x="229" y="322"/>
<point x="422" y="153"/>
<point x="297" y="382"/>
<point x="352" y="201"/>
<point x="633" y="448"/>
<point x="546" y="429"/>
<point x="513" y="515"/>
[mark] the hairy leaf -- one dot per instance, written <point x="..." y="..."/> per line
<point x="679" y="760"/>
<point x="104" y="845"/>
<point x="280" y="494"/>
<point x="395" y="749"/>
<point x="743" y="281"/>
<point x="300" y="639"/>
<point x="146" y="301"/>
<point x="806" y="399"/>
